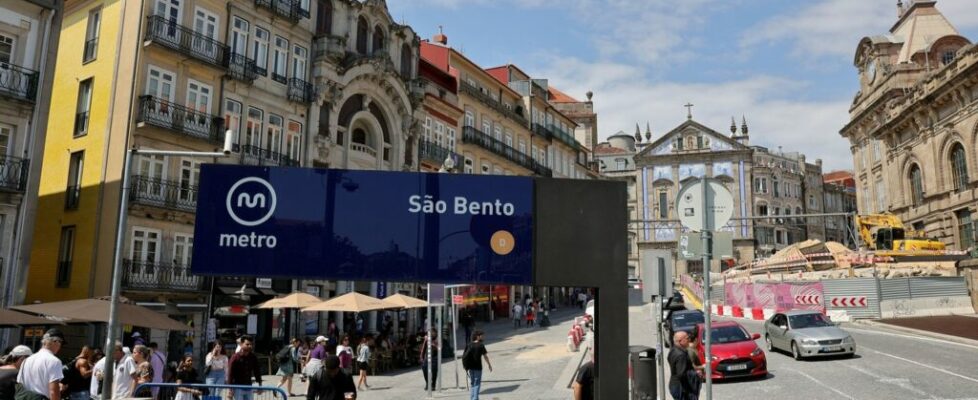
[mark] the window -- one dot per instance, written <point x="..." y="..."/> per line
<point x="876" y="151"/>
<point x="324" y="121"/>
<point x="522" y="146"/>
<point x="189" y="176"/>
<point x="73" y="190"/>
<point x="760" y="185"/>
<point x="812" y="203"/>
<point x="621" y="164"/>
<point x="498" y="130"/>
<point x="509" y="138"/>
<point x="486" y="125"/>
<point x="293" y="137"/>
<point x="880" y="195"/>
<point x="66" y="255"/>
<point x="281" y="57"/>
<point x="239" y="37"/>
<point x="83" y="107"/>
<point x="427" y="128"/>
<point x="451" y="138"/>
<point x="469" y="118"/>
<point x="152" y="172"/>
<point x="205" y="24"/>
<point x="439" y="133"/>
<point x="6" y="133"/>
<point x="324" y="17"/>
<point x="362" y="35"/>
<point x="959" y="167"/>
<point x="6" y="49"/>
<point x="486" y="167"/>
<point x="253" y="129"/>
<point x="199" y="97"/>
<point x="947" y="57"/>
<point x="966" y="229"/>
<point x="776" y="186"/>
<point x="406" y="61"/>
<point x="273" y="134"/>
<point x="183" y="249"/>
<point x="378" y="42"/>
<point x="159" y="84"/>
<point x="91" y="35"/>
<point x="663" y="204"/>
<point x="232" y="119"/>
<point x="916" y="186"/>
<point x="145" y="248"/>
<point x="300" y="55"/>
<point x="762" y="209"/>
<point x="780" y="237"/>
<point x="469" y="165"/>
<point x="260" y="50"/>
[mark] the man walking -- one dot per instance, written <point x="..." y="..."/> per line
<point x="517" y="315"/>
<point x="472" y="358"/>
<point x="680" y="367"/>
<point x="242" y="367"/>
<point x="157" y="359"/>
<point x="331" y="382"/>
<point x="41" y="373"/>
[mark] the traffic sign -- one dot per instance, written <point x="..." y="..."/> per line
<point x="719" y="206"/>
<point x="691" y="246"/>
<point x="808" y="299"/>
<point x="849" y="301"/>
<point x="457" y="299"/>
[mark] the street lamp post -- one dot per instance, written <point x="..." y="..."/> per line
<point x="446" y="167"/>
<point x="110" y="337"/>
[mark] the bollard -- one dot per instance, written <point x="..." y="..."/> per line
<point x="643" y="373"/>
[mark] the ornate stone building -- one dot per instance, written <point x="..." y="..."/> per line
<point x="913" y="125"/>
<point x="785" y="185"/>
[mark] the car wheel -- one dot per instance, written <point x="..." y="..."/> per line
<point x="794" y="351"/>
<point x="767" y="341"/>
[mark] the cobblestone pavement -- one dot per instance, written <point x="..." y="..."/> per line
<point x="528" y="363"/>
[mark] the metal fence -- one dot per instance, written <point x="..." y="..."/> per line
<point x="854" y="287"/>
<point x="170" y="391"/>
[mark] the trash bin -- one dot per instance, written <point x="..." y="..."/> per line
<point x="641" y="361"/>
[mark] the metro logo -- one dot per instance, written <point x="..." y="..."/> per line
<point x="251" y="201"/>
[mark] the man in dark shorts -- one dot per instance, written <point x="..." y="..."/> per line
<point x="331" y="382"/>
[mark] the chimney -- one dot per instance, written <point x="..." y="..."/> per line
<point x="440" y="37"/>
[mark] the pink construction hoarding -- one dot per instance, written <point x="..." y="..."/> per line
<point x="775" y="296"/>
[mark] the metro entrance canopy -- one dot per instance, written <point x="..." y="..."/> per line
<point x="439" y="228"/>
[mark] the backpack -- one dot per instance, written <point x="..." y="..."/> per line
<point x="470" y="359"/>
<point x="283" y="355"/>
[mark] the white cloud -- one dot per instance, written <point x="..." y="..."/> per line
<point x="775" y="116"/>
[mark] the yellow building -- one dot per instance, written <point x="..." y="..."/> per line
<point x="162" y="75"/>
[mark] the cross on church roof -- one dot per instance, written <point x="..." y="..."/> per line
<point x="689" y="110"/>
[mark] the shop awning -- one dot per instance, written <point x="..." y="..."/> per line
<point x="97" y="310"/>
<point x="11" y="318"/>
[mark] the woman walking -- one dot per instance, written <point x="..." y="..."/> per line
<point x="286" y="365"/>
<point x="144" y="371"/>
<point x="345" y="353"/>
<point x="530" y="316"/>
<point x="363" y="361"/>
<point x="216" y="364"/>
<point x="187" y="375"/>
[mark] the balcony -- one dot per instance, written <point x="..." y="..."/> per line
<point x="180" y="119"/>
<point x="542" y="131"/>
<point x="241" y="68"/>
<point x="140" y="275"/>
<point x="279" y="78"/>
<point x="435" y="153"/>
<point x="330" y="47"/>
<point x="300" y="91"/>
<point x="487" y="99"/>
<point x="163" y="194"/>
<point x="13" y="173"/>
<point x="185" y="41"/>
<point x="72" y="197"/>
<point x="254" y="155"/>
<point x="475" y="136"/>
<point x="565" y="137"/>
<point x="288" y="9"/>
<point x="18" y="83"/>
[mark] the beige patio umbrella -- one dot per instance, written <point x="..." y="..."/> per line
<point x="97" y="310"/>
<point x="403" y="301"/>
<point x="350" y="302"/>
<point x="294" y="300"/>
<point x="10" y="318"/>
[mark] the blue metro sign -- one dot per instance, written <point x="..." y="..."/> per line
<point x="363" y="225"/>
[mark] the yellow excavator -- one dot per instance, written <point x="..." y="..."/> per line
<point x="886" y="234"/>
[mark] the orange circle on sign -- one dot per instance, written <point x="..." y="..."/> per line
<point x="502" y="242"/>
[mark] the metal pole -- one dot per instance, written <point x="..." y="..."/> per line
<point x="707" y="249"/>
<point x="113" y="327"/>
<point x="427" y="319"/>
<point x="455" y="334"/>
<point x="659" y="359"/>
<point x="441" y="325"/>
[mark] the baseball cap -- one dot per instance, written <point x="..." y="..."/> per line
<point x="21" y="351"/>
<point x="331" y="362"/>
<point x="54" y="334"/>
<point x="321" y="339"/>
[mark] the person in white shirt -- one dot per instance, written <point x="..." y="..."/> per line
<point x="517" y="315"/>
<point x="98" y="372"/>
<point x="125" y="368"/>
<point x="41" y="373"/>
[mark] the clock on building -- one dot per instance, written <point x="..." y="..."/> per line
<point x="871" y="70"/>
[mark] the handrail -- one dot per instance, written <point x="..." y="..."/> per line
<point x="185" y="40"/>
<point x="18" y="82"/>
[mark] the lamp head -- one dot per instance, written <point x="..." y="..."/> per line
<point x="449" y="162"/>
<point x="228" y="139"/>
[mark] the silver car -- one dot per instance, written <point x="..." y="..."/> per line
<point x="807" y="334"/>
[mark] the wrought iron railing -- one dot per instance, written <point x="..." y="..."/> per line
<point x="475" y="136"/>
<point x="542" y="131"/>
<point x="186" y="41"/>
<point x="288" y="9"/>
<point x="242" y="68"/>
<point x="255" y="155"/>
<point x="72" y="197"/>
<point x="184" y="120"/>
<point x="164" y="194"/>
<point x="435" y="153"/>
<point x="565" y="137"/>
<point x="300" y="91"/>
<point x="488" y="100"/>
<point x="91" y="50"/>
<point x="13" y="173"/>
<point x="142" y="275"/>
<point x="18" y="82"/>
<point x="279" y="78"/>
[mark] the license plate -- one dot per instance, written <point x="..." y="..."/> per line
<point x="832" y="348"/>
<point x="737" y="367"/>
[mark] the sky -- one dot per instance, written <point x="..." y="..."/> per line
<point x="785" y="65"/>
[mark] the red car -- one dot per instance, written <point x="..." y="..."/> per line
<point x="734" y="352"/>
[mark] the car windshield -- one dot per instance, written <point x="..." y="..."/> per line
<point x="729" y="334"/>
<point x="813" y="320"/>
<point x="686" y="319"/>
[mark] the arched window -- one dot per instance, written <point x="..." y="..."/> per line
<point x="959" y="167"/>
<point x="406" y="61"/>
<point x="777" y="187"/>
<point x="947" y="57"/>
<point x="916" y="185"/>
<point x="378" y="45"/>
<point x="359" y="136"/>
<point x="362" y="35"/>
